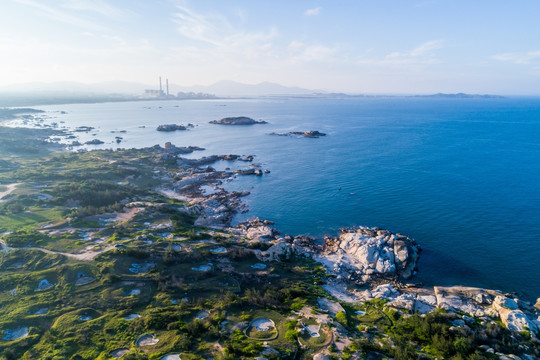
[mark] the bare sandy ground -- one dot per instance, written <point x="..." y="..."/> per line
<point x="9" y="190"/>
<point x="173" y="194"/>
<point x="87" y="255"/>
<point x="127" y="215"/>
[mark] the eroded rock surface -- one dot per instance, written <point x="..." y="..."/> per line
<point x="365" y="253"/>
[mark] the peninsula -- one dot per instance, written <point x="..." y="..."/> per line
<point x="132" y="254"/>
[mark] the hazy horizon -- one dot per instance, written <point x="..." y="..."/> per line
<point x="389" y="47"/>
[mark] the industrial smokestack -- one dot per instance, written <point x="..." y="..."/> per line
<point x="160" y="87"/>
<point x="167" y="82"/>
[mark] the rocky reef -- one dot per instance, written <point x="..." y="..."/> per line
<point x="315" y="134"/>
<point x="238" y="120"/>
<point x="173" y="127"/>
<point x="94" y="142"/>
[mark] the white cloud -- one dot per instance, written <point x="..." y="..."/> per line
<point x="419" y="56"/>
<point x="519" y="58"/>
<point x="226" y="39"/>
<point x="217" y="30"/>
<point x="62" y="16"/>
<point x="310" y="52"/>
<point x="101" y="7"/>
<point x="312" y="12"/>
<point x="424" y="50"/>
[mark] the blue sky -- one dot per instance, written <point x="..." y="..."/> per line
<point x="361" y="46"/>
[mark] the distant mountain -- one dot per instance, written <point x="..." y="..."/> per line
<point x="223" y="88"/>
<point x="233" y="88"/>
<point x="71" y="87"/>
<point x="462" y="96"/>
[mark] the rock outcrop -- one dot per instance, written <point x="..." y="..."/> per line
<point x="511" y="316"/>
<point x="238" y="120"/>
<point x="257" y="230"/>
<point x="364" y="253"/>
<point x="172" y="127"/>
<point x="94" y="142"/>
<point x="308" y="134"/>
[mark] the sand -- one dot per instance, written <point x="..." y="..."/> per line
<point x="132" y="317"/>
<point x="9" y="189"/>
<point x="118" y="353"/>
<point x="147" y="340"/>
<point x="202" y="315"/>
<point x="15" y="334"/>
<point x="171" y="357"/>
<point x="263" y="324"/>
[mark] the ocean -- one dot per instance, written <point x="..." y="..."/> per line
<point x="461" y="176"/>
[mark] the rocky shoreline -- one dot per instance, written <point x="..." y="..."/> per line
<point x="362" y="263"/>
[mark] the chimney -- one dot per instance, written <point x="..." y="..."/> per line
<point x="167" y="82"/>
<point x="160" y="88"/>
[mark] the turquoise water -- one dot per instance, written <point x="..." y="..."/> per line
<point x="461" y="176"/>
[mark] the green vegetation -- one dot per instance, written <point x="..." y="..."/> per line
<point x="99" y="258"/>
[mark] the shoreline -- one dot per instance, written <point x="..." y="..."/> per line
<point x="219" y="216"/>
<point x="357" y="268"/>
<point x="364" y="264"/>
<point x="218" y="209"/>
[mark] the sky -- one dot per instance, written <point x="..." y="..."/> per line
<point x="355" y="46"/>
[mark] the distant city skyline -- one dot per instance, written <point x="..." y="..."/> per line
<point x="372" y="46"/>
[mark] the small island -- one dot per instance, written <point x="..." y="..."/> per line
<point x="308" y="134"/>
<point x="173" y="127"/>
<point x="238" y="120"/>
<point x="94" y="142"/>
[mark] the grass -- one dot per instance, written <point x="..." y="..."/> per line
<point x="225" y="294"/>
<point x="316" y="343"/>
<point x="30" y="220"/>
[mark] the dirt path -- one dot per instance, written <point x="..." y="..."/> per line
<point x="173" y="194"/>
<point x="9" y="190"/>
<point x="87" y="255"/>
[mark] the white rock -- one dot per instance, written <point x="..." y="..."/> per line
<point x="458" y="298"/>
<point x="504" y="302"/>
<point x="516" y="320"/>
<point x="321" y="357"/>
<point x="404" y="301"/>
<point x="385" y="291"/>
<point x="260" y="233"/>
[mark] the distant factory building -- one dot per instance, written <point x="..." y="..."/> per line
<point x="160" y="94"/>
<point x="151" y="93"/>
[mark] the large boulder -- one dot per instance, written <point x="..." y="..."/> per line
<point x="469" y="300"/>
<point x="280" y="250"/>
<point x="370" y="252"/>
<point x="511" y="316"/>
<point x="261" y="233"/>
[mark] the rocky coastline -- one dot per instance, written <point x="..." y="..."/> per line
<point x="362" y="263"/>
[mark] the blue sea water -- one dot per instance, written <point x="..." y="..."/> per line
<point x="461" y="176"/>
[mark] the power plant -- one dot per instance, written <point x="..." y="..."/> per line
<point x="151" y="93"/>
